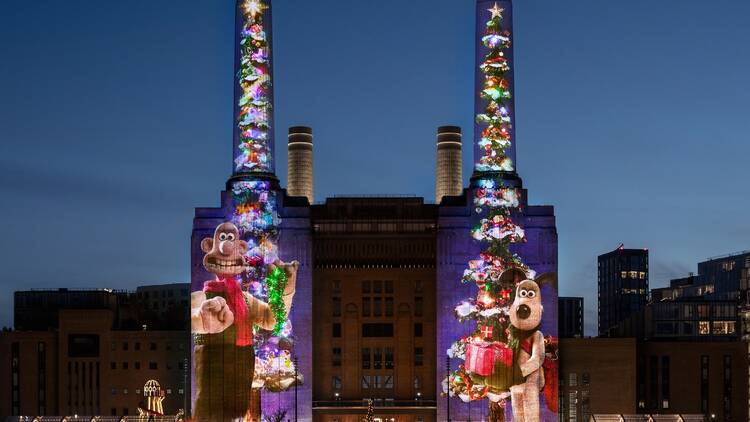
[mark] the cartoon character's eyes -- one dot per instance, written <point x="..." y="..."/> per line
<point x="223" y="236"/>
<point x="523" y="293"/>
<point x="230" y="236"/>
<point x="531" y="293"/>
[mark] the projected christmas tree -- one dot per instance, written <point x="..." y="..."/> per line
<point x="487" y="371"/>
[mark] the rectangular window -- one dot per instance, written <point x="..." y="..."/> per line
<point x="124" y="365"/>
<point x="704" y="383"/>
<point x="366" y="287"/>
<point x="377" y="330"/>
<point x="336" y="306"/>
<point x="366" y="382"/>
<point x="573" y="379"/>
<point x="15" y="367"/>
<point x="727" y="402"/>
<point x="42" y="377"/>
<point x="418" y="329"/>
<point x="83" y="345"/>
<point x="704" y="328"/>
<point x="418" y="286"/>
<point x="665" y="393"/>
<point x="336" y="330"/>
<point x="418" y="356"/>
<point x="653" y="399"/>
<point x="418" y="306"/>
<point x="336" y="382"/>
<point x="378" y="358"/>
<point x="366" y="306"/>
<point x="723" y="327"/>
<point x="366" y="358"/>
<point x="388" y="358"/>
<point x="153" y="365"/>
<point x="336" y="286"/>
<point x="336" y="356"/>
<point x="388" y="382"/>
<point x="389" y="306"/>
<point x="377" y="286"/>
<point x="377" y="308"/>
<point x="137" y="364"/>
<point x="389" y="286"/>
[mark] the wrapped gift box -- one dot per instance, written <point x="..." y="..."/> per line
<point x="483" y="357"/>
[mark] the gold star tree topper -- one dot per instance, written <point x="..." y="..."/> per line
<point x="253" y="7"/>
<point x="497" y="11"/>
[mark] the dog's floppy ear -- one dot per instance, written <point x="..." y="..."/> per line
<point x="547" y="278"/>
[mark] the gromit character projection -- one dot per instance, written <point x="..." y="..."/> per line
<point x="525" y="319"/>
<point x="222" y="320"/>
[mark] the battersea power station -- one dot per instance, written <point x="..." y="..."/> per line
<point x="349" y="308"/>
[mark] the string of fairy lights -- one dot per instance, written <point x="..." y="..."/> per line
<point x="488" y="352"/>
<point x="254" y="202"/>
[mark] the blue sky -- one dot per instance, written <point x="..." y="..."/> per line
<point x="116" y="120"/>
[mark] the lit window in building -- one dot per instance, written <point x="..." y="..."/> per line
<point x="573" y="406"/>
<point x="723" y="327"/>
<point x="573" y="379"/>
<point x="704" y="328"/>
<point x="642" y="275"/>
<point x="624" y="274"/>
<point x="417" y="382"/>
<point x="377" y="306"/>
<point x="336" y="382"/>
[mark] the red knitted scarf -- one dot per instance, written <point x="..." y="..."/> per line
<point x="230" y="290"/>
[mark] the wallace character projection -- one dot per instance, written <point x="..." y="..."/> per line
<point x="223" y="317"/>
<point x="242" y="337"/>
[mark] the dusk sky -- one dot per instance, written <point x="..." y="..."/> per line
<point x="116" y="121"/>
